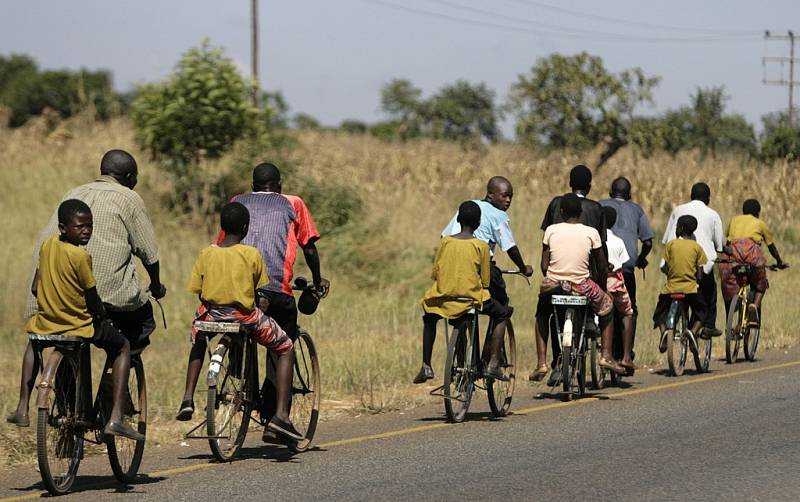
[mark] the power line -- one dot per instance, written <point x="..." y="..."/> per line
<point x="559" y="28"/>
<point x="791" y="83"/>
<point x="637" y="24"/>
<point x="557" y="34"/>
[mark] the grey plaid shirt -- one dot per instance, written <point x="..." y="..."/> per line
<point x="122" y="230"/>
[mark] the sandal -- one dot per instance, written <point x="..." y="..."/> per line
<point x="539" y="374"/>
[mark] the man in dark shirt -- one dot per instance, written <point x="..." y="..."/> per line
<point x="580" y="181"/>
<point x="632" y="227"/>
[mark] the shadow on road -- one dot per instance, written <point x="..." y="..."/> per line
<point x="95" y="483"/>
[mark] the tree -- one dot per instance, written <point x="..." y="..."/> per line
<point x="305" y="121"/>
<point x="463" y="112"/>
<point x="780" y="139"/>
<point x="353" y="126"/>
<point x="403" y="102"/>
<point x="574" y="102"/>
<point x="199" y="112"/>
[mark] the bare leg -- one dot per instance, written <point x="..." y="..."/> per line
<point x="196" y="357"/>
<point x="120" y="371"/>
<point x="283" y="376"/>
<point x="627" y="340"/>
<point x="496" y="344"/>
<point x="30" y="368"/>
<point x="542" y="334"/>
<point x="757" y="298"/>
<point x="696" y="327"/>
<point x="607" y="339"/>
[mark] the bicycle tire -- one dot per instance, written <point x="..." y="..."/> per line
<point x="750" y="341"/>
<point x="566" y="372"/>
<point x="598" y="374"/>
<point x="501" y="393"/>
<point x="702" y="356"/>
<point x="230" y="401"/>
<point x="59" y="447"/>
<point x="125" y="455"/>
<point x="581" y="371"/>
<point x="306" y="395"/>
<point x="733" y="330"/>
<point x="459" y="367"/>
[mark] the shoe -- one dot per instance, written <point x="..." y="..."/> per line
<point x="708" y="333"/>
<point x="124" y="430"/>
<point x="19" y="420"/>
<point x="752" y="315"/>
<point x="539" y="374"/>
<point x="555" y="378"/>
<point x="186" y="411"/>
<point x="284" y="429"/>
<point x="611" y="365"/>
<point x="662" y="345"/>
<point x="495" y="373"/>
<point x="425" y="374"/>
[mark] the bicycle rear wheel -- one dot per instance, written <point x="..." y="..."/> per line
<point x="125" y="455"/>
<point x="598" y="374"/>
<point x="566" y="372"/>
<point x="702" y="357"/>
<point x="305" y="390"/>
<point x="230" y="398"/>
<point x="581" y="371"/>
<point x="733" y="329"/>
<point x="500" y="393"/>
<point x="59" y="446"/>
<point x="750" y="342"/>
<point x="459" y="369"/>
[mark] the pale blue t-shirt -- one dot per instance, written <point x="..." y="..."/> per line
<point x="494" y="229"/>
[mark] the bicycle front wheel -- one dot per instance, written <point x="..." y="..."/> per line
<point x="750" y="342"/>
<point x="566" y="372"/>
<point x="500" y="393"/>
<point x="733" y="329"/>
<point x="125" y="455"/>
<point x="598" y="374"/>
<point x="230" y="398"/>
<point x="305" y="390"/>
<point x="459" y="369"/>
<point x="59" y="446"/>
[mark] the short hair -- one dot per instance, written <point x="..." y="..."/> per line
<point x="752" y="207"/>
<point x="233" y="217"/>
<point x="610" y="216"/>
<point x="469" y="213"/>
<point x="266" y="174"/>
<point x="688" y="223"/>
<point x="571" y="206"/>
<point x="621" y="187"/>
<point x="71" y="207"/>
<point x="580" y="177"/>
<point x="495" y="182"/>
<point x="701" y="191"/>
<point x="117" y="163"/>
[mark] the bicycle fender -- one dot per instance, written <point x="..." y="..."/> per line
<point x="48" y="377"/>
<point x="213" y="369"/>
<point x="674" y="307"/>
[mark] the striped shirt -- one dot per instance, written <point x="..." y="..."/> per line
<point x="278" y="223"/>
<point x="122" y="230"/>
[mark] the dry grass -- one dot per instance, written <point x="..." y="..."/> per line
<point x="368" y="329"/>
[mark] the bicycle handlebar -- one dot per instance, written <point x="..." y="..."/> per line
<point x="773" y="267"/>
<point x="516" y="272"/>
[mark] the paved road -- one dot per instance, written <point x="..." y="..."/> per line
<point x="732" y="435"/>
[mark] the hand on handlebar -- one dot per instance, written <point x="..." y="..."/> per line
<point x="324" y="284"/>
<point x="782" y="265"/>
<point x="158" y="291"/>
<point x="527" y="271"/>
<point x="641" y="262"/>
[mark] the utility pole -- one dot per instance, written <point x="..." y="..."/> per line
<point x="254" y="49"/>
<point x="791" y="83"/>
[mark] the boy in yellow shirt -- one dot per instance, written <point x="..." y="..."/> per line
<point x="744" y="236"/>
<point x="461" y="270"/>
<point x="68" y="304"/>
<point x="225" y="277"/>
<point x="684" y="259"/>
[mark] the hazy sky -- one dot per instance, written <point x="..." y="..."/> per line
<point x="330" y="58"/>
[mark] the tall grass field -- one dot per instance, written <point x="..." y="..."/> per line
<point x="368" y="330"/>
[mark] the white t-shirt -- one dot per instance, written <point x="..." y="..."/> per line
<point x="617" y="254"/>
<point x="570" y="246"/>
<point x="709" y="229"/>
<point x="494" y="229"/>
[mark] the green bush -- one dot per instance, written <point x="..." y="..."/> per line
<point x="353" y="126"/>
<point x="781" y="143"/>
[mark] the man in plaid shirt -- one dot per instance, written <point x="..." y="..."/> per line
<point x="122" y="230"/>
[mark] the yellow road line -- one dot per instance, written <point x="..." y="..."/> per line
<point x="425" y="428"/>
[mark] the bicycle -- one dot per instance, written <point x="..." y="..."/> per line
<point x="738" y="328"/>
<point x="67" y="414"/>
<point x="680" y="339"/>
<point x="233" y="387"/>
<point x="572" y="361"/>
<point x="464" y="366"/>
<point x="600" y="376"/>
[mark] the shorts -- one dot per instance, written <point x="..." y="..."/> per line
<point x="497" y="285"/>
<point x="283" y="309"/>
<point x="601" y="302"/>
<point x="615" y="285"/>
<point x="136" y="325"/>
<point x="266" y="331"/>
<point x="695" y="301"/>
<point x="108" y="338"/>
<point x="744" y="251"/>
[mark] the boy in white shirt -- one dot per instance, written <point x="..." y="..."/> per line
<point x="615" y="286"/>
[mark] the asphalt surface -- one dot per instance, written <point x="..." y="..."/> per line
<point x="729" y="435"/>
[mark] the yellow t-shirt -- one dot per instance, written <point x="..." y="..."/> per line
<point x="65" y="273"/>
<point x="747" y="226"/>
<point x="460" y="269"/>
<point x="684" y="258"/>
<point x="228" y="276"/>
